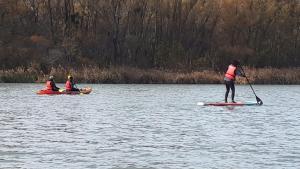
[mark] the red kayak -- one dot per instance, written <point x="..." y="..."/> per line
<point x="51" y="92"/>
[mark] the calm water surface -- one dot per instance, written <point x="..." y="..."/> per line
<point x="149" y="126"/>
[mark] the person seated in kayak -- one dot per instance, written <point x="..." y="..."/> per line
<point x="70" y="85"/>
<point x="50" y="84"/>
<point x="229" y="79"/>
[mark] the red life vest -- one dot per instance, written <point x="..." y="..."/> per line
<point x="68" y="85"/>
<point x="230" y="74"/>
<point x="48" y="85"/>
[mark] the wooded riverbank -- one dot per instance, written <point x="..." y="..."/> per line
<point x="129" y="75"/>
<point x="150" y="34"/>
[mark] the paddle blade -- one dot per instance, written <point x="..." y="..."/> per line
<point x="259" y="101"/>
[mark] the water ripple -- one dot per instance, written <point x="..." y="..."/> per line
<point x="148" y="127"/>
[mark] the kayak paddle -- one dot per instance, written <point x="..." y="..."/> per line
<point x="259" y="101"/>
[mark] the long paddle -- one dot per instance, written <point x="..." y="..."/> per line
<point x="75" y="85"/>
<point x="259" y="101"/>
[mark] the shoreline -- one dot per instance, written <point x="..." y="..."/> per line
<point x="130" y="75"/>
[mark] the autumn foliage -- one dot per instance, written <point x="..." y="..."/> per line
<point x="157" y="34"/>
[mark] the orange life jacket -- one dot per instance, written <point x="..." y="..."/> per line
<point x="48" y="85"/>
<point x="68" y="85"/>
<point x="230" y="74"/>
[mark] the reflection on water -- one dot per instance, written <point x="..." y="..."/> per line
<point x="149" y="126"/>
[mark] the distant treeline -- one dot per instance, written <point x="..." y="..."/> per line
<point x="156" y="34"/>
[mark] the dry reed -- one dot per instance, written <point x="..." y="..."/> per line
<point x="151" y="76"/>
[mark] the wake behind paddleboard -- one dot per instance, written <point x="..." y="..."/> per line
<point x="228" y="104"/>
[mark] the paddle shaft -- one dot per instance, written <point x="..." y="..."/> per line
<point x="259" y="101"/>
<point x="75" y="85"/>
<point x="248" y="81"/>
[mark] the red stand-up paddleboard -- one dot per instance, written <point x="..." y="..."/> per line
<point x="228" y="104"/>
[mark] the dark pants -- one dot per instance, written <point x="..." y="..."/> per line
<point x="75" y="89"/>
<point x="55" y="89"/>
<point x="229" y="85"/>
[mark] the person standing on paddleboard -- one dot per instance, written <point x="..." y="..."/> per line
<point x="70" y="85"/>
<point x="50" y="84"/>
<point x="229" y="79"/>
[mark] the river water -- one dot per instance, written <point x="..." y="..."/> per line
<point x="149" y="127"/>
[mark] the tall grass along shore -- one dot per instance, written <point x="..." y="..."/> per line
<point x="127" y="75"/>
